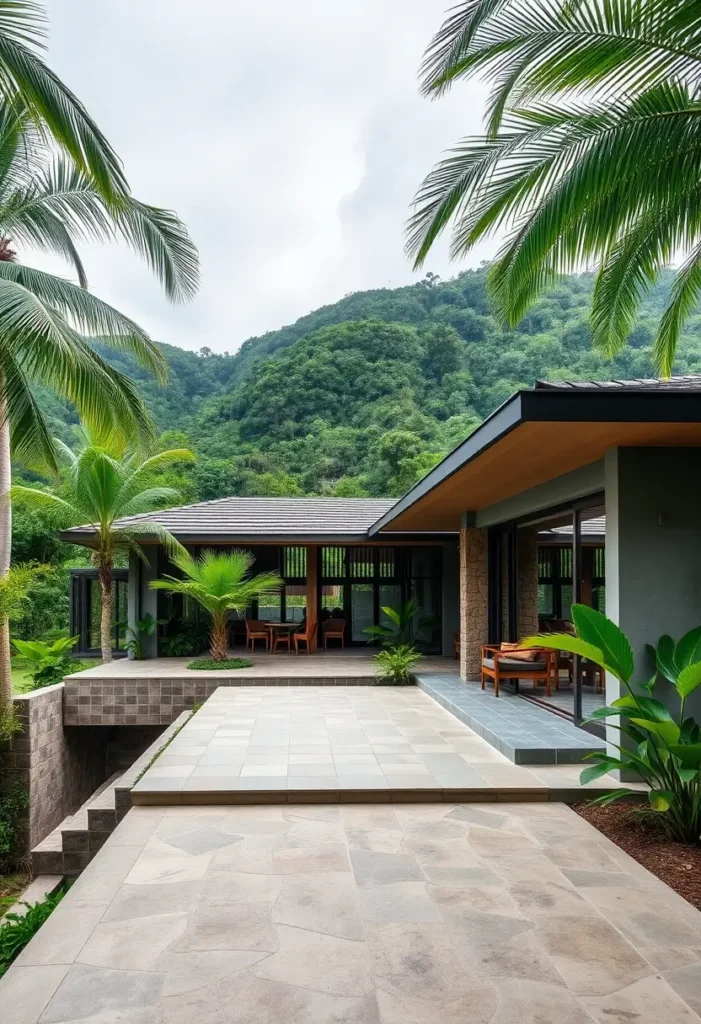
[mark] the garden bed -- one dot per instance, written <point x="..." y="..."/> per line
<point x="642" y="837"/>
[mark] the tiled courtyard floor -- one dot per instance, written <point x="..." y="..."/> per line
<point x="383" y="914"/>
<point x="338" y="743"/>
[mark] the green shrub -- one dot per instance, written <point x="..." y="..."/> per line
<point x="17" y="929"/>
<point x="664" y="751"/>
<point x="394" y="665"/>
<point x="210" y="663"/>
<point x="13" y="804"/>
<point x="48" y="662"/>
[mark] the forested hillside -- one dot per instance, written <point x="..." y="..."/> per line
<point x="363" y="396"/>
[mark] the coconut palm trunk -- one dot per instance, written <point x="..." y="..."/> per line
<point x="104" y="576"/>
<point x="5" y="544"/>
<point x="219" y="639"/>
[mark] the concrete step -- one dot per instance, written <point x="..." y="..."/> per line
<point x="72" y="844"/>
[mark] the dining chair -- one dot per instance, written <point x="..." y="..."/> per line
<point x="306" y="634"/>
<point x="334" y="629"/>
<point x="282" y="638"/>
<point x="256" y="630"/>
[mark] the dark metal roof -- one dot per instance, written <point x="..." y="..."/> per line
<point x="264" y="518"/>
<point x="691" y="382"/>
<point x="674" y="400"/>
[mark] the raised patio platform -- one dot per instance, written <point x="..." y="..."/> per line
<point x="340" y="745"/>
<point x="156" y="691"/>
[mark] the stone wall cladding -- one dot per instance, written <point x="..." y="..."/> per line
<point x="473" y="599"/>
<point x="60" y="767"/>
<point x="160" y="701"/>
<point x="527" y="582"/>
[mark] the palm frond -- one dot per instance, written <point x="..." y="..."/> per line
<point x="27" y="80"/>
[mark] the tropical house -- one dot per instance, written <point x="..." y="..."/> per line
<point x="569" y="492"/>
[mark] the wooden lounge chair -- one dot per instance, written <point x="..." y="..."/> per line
<point x="306" y="634"/>
<point x="256" y="630"/>
<point x="498" y="664"/>
<point x="334" y="629"/>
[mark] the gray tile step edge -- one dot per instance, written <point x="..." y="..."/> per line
<point x="122" y="791"/>
<point x="522" y="755"/>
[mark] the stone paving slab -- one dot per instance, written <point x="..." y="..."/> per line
<point x="521" y="730"/>
<point x="464" y="914"/>
<point x="344" y="744"/>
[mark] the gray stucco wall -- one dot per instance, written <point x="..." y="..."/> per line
<point x="141" y="599"/>
<point x="577" y="484"/>
<point x="653" y="550"/>
<point x="450" y="602"/>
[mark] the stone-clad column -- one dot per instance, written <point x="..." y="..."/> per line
<point x="527" y="582"/>
<point x="473" y="597"/>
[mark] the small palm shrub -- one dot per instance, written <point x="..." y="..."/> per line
<point x="219" y="581"/>
<point x="663" y="749"/>
<point x="394" y="665"/>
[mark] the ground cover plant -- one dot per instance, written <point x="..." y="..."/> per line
<point x="663" y="748"/>
<point x="212" y="664"/>
<point x="17" y="929"/>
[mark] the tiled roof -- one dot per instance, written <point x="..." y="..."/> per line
<point x="691" y="382"/>
<point x="264" y="517"/>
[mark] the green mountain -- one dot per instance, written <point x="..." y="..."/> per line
<point x="364" y="395"/>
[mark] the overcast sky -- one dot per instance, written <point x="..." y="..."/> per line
<point x="289" y="136"/>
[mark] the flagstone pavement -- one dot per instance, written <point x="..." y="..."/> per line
<point x="361" y="914"/>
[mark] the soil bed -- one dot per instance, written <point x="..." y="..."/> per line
<point x="643" y="838"/>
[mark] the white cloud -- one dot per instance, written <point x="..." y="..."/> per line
<point x="289" y="137"/>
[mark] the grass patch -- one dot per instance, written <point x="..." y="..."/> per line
<point x="167" y="743"/>
<point x="209" y="664"/>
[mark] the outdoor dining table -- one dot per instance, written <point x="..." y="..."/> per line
<point x="278" y="627"/>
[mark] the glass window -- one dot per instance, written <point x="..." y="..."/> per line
<point x="270" y="608"/>
<point x="546" y="599"/>
<point x="566" y="601"/>
<point x="362" y="609"/>
<point x="362" y="563"/>
<point x="333" y="563"/>
<point x="295" y="604"/>
<point x="425" y="562"/>
<point x="332" y="597"/>
<point x="294" y="563"/>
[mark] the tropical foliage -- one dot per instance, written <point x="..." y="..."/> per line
<point x="17" y="929"/>
<point x="220" y="582"/>
<point x="662" y="748"/>
<point x="406" y="625"/>
<point x="106" y="481"/>
<point x="48" y="662"/>
<point x="394" y="665"/>
<point x="589" y="156"/>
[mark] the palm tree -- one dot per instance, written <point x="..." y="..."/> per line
<point x="590" y="155"/>
<point x="27" y="82"/>
<point x="220" y="582"/>
<point x="107" y="483"/>
<point x="46" y="201"/>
